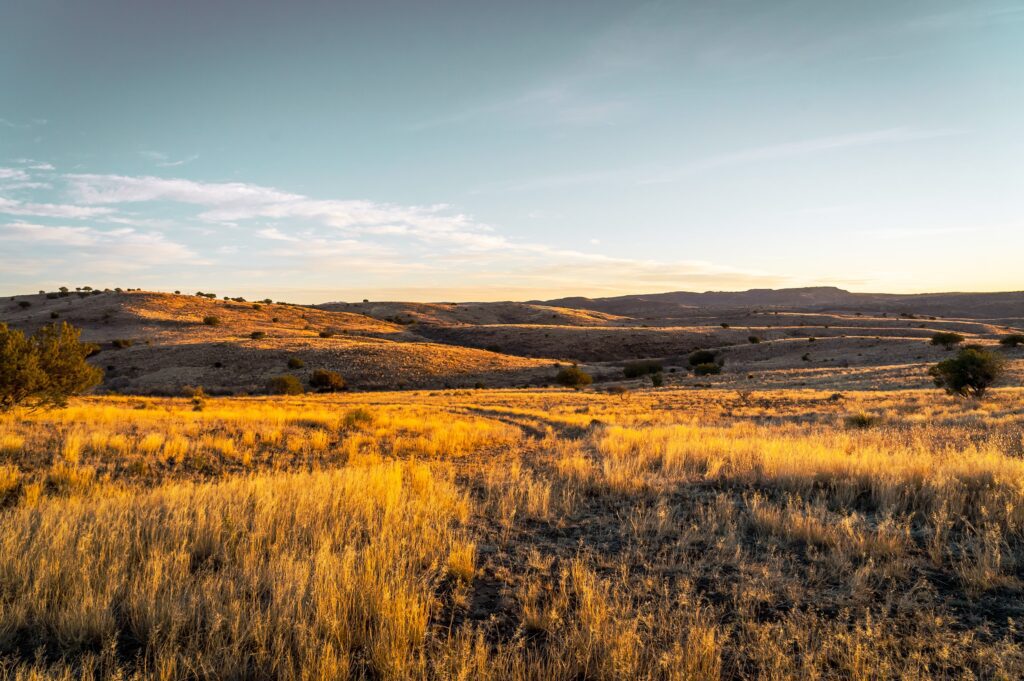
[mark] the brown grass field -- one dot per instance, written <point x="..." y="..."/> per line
<point x="515" y="534"/>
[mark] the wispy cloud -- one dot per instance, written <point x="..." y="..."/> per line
<point x="163" y="160"/>
<point x="808" y="147"/>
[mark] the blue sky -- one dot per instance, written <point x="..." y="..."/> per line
<point x="315" y="151"/>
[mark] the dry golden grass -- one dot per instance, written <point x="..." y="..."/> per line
<point x="512" y="534"/>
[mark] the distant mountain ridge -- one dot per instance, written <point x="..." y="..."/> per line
<point x="1008" y="304"/>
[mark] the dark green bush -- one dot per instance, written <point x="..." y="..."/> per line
<point x="657" y="379"/>
<point x="211" y="321"/>
<point x="1012" y="340"/>
<point x="753" y="339"/>
<point x="24" y="304"/>
<point x="698" y="357"/>
<point x="326" y="334"/>
<point x="122" y="343"/>
<point x="947" y="339"/>
<point x="326" y="381"/>
<point x="573" y="377"/>
<point x="256" y="335"/>
<point x="706" y="369"/>
<point x="642" y="368"/>
<point x="295" y="363"/>
<point x="45" y="369"/>
<point x="969" y="374"/>
<point x="286" y="384"/>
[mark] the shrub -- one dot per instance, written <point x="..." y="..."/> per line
<point x="861" y="420"/>
<point x="286" y="384"/>
<point x="573" y="377"/>
<point x="295" y="363"/>
<point x="698" y="357"/>
<point x="947" y="339"/>
<point x="969" y="374"/>
<point x="54" y="315"/>
<point x="256" y="335"/>
<point x="706" y="369"/>
<point x="357" y="417"/>
<point x="658" y="379"/>
<point x="724" y="325"/>
<point x="326" y="381"/>
<point x="753" y="339"/>
<point x="1012" y="340"/>
<point x="44" y="369"/>
<point x="642" y="368"/>
<point x="326" y="334"/>
<point x="211" y="321"/>
<point x="122" y="343"/>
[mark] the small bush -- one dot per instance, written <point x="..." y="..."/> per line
<point x="285" y="384"/>
<point x="326" y="381"/>
<point x="658" y="379"/>
<point x="642" y="368"/>
<point x="211" y="321"/>
<point x="357" y="418"/>
<point x="724" y="325"/>
<point x="969" y="374"/>
<point x="707" y="369"/>
<point x="24" y="304"/>
<point x="122" y="343"/>
<point x="947" y="339"/>
<point x="698" y="357"/>
<point x="754" y="339"/>
<point x="1012" y="340"/>
<point x="861" y="420"/>
<point x="326" y="334"/>
<point x="54" y="315"/>
<point x="295" y="363"/>
<point x="573" y="377"/>
<point x="256" y="335"/>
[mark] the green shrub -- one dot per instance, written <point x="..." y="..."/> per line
<point x="45" y="369"/>
<point x="947" y="339"/>
<point x="753" y="339"/>
<point x="573" y="377"/>
<point x="211" y="321"/>
<point x="326" y="334"/>
<point x="256" y="335"/>
<point x="357" y="418"/>
<point x="724" y="325"/>
<point x="24" y="304"/>
<point x="286" y="384"/>
<point x="1012" y="340"/>
<point x="326" y="381"/>
<point x="657" y="379"/>
<point x="122" y="343"/>
<point x="706" y="369"/>
<point x="642" y="368"/>
<point x="698" y="357"/>
<point x="969" y="374"/>
<point x="295" y="363"/>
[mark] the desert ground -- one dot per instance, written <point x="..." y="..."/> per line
<point x="815" y="510"/>
<point x="158" y="344"/>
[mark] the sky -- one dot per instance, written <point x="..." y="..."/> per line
<point x="316" y="151"/>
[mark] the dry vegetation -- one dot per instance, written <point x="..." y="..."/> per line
<point x="670" y="534"/>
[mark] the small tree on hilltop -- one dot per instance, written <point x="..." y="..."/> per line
<point x="947" y="339"/>
<point x="969" y="374"/>
<point x="573" y="377"/>
<point x="45" y="369"/>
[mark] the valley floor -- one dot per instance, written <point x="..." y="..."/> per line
<point x="515" y="534"/>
